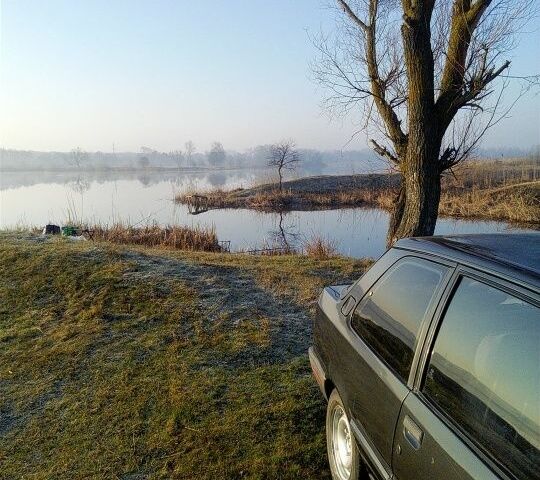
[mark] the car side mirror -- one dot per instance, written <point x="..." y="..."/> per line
<point x="348" y="305"/>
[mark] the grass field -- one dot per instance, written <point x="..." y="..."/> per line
<point x="137" y="363"/>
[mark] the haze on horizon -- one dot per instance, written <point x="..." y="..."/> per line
<point x="94" y="74"/>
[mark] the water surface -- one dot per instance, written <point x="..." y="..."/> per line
<point x="34" y="199"/>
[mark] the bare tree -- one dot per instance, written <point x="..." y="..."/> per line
<point x="189" y="150"/>
<point x="217" y="154"/>
<point x="284" y="156"/>
<point x="429" y="78"/>
<point x="77" y="157"/>
<point x="178" y="157"/>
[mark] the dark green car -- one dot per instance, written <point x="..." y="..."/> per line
<point x="430" y="362"/>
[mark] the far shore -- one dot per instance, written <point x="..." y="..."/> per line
<point x="105" y="169"/>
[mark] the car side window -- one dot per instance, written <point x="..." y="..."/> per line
<point x="390" y="315"/>
<point x="484" y="374"/>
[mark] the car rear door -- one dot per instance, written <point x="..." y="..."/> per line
<point x="379" y="348"/>
<point x="474" y="411"/>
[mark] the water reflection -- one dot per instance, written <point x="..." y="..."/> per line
<point x="217" y="179"/>
<point x="149" y="177"/>
<point x="487" y="379"/>
<point x="80" y="185"/>
<point x="145" y="180"/>
<point x="286" y="236"/>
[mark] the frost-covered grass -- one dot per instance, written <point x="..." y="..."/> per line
<point x="120" y="362"/>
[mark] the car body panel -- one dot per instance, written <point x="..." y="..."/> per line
<point x="399" y="433"/>
<point x="441" y="454"/>
<point x="352" y="374"/>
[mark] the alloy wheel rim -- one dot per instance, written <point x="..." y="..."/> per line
<point x="341" y="443"/>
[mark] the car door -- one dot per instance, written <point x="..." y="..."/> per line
<point x="377" y="356"/>
<point x="474" y="413"/>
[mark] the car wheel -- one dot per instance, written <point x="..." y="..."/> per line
<point x="343" y="454"/>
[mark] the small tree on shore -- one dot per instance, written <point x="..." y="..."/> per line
<point x="284" y="156"/>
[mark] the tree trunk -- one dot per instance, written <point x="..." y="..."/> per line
<point x="396" y="215"/>
<point x="417" y="205"/>
<point x="280" y="180"/>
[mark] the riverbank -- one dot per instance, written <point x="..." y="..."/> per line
<point x="502" y="190"/>
<point x="133" y="362"/>
<point x="308" y="193"/>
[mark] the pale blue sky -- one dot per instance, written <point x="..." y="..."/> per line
<point x="157" y="73"/>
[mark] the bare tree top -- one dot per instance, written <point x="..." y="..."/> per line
<point x="283" y="155"/>
<point x="363" y="64"/>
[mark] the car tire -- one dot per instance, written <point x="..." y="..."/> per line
<point x="343" y="454"/>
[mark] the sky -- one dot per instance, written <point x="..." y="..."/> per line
<point x="93" y="73"/>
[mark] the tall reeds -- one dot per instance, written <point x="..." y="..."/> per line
<point x="172" y="236"/>
<point x="320" y="248"/>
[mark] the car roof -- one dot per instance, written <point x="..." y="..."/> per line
<point x="516" y="255"/>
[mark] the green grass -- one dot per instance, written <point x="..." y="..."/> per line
<point x="145" y="363"/>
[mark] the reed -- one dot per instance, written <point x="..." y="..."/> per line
<point x="320" y="248"/>
<point x="172" y="236"/>
<point x="492" y="174"/>
<point x="518" y="203"/>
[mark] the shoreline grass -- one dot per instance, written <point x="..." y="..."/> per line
<point x="515" y="203"/>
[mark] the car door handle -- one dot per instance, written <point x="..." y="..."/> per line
<point x="412" y="432"/>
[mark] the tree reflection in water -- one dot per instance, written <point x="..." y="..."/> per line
<point x="285" y="237"/>
<point x="80" y="185"/>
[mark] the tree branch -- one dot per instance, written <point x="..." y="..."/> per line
<point x="378" y="89"/>
<point x="476" y="11"/>
<point x="383" y="152"/>
<point x="465" y="18"/>
<point x="352" y="15"/>
<point x="454" y="93"/>
<point x="477" y="86"/>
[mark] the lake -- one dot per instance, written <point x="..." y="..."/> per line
<point x="138" y="198"/>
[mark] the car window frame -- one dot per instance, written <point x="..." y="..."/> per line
<point x="492" y="280"/>
<point x="428" y="317"/>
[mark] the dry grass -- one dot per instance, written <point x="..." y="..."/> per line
<point x="498" y="190"/>
<point x="517" y="203"/>
<point x="217" y="198"/>
<point x="274" y="200"/>
<point x="320" y="248"/>
<point x="492" y="174"/>
<point x="176" y="237"/>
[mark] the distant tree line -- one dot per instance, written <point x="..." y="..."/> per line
<point x="188" y="157"/>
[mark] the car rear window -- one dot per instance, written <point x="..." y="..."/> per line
<point x="390" y="315"/>
<point x="484" y="374"/>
